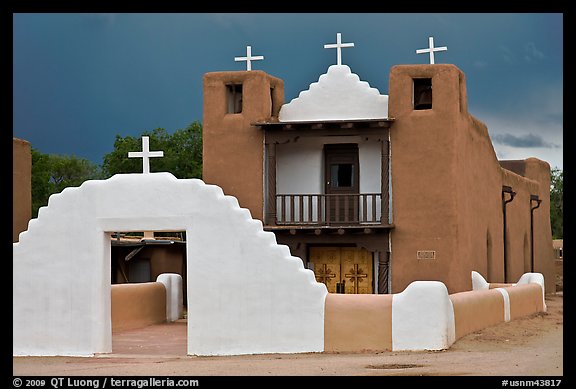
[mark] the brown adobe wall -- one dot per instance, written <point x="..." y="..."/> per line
<point x="539" y="171"/>
<point x="518" y="225"/>
<point x="447" y="190"/>
<point x="21" y="186"/>
<point x="167" y="259"/>
<point x="479" y="199"/>
<point x="536" y="181"/>
<point x="423" y="165"/>
<point x="137" y="305"/>
<point x="233" y="149"/>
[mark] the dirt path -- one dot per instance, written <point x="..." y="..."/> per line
<point x="531" y="346"/>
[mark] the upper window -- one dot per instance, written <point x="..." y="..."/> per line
<point x="234" y="98"/>
<point x="342" y="175"/>
<point x="422" y="93"/>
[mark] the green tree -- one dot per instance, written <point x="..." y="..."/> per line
<point x="557" y="203"/>
<point x="52" y="173"/>
<point x="182" y="153"/>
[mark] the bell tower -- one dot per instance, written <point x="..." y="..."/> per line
<point x="233" y="148"/>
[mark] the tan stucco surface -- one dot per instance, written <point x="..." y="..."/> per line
<point x="525" y="300"/>
<point x="138" y="305"/>
<point x="475" y="310"/>
<point x="233" y="149"/>
<point x="357" y="322"/>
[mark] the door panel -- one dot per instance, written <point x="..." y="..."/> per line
<point x="326" y="266"/>
<point x="349" y="266"/>
<point x="342" y="183"/>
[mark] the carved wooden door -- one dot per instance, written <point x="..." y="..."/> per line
<point x="343" y="269"/>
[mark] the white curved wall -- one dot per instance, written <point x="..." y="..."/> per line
<point x="246" y="293"/>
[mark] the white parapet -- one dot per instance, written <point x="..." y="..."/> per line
<point x="174" y="295"/>
<point x="422" y="317"/>
<point x="479" y="282"/>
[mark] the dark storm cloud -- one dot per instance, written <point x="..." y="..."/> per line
<point x="524" y="141"/>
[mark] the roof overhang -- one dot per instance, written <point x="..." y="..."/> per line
<point x="326" y="124"/>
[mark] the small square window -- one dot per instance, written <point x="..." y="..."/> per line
<point x="234" y="98"/>
<point x="422" y="93"/>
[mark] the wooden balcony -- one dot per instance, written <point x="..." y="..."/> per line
<point x="362" y="209"/>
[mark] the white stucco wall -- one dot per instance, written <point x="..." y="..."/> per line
<point x="423" y="317"/>
<point x="339" y="94"/>
<point x="246" y="293"/>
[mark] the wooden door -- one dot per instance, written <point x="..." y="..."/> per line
<point x="342" y="183"/>
<point x="350" y="267"/>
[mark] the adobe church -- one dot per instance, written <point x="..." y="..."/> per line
<point x="375" y="191"/>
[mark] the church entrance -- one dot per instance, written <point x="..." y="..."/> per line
<point x="343" y="269"/>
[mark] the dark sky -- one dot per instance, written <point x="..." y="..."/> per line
<point x="80" y="79"/>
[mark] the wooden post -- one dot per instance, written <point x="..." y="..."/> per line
<point x="383" y="268"/>
<point x="271" y="185"/>
<point x="385" y="208"/>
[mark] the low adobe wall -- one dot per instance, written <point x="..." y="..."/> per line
<point x="475" y="310"/>
<point x="418" y="318"/>
<point x="142" y="304"/>
<point x="424" y="316"/>
<point x="493" y="303"/>
<point x="138" y="305"/>
<point x="525" y="300"/>
<point x="358" y="322"/>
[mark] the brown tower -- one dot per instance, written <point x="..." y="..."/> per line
<point x="233" y="149"/>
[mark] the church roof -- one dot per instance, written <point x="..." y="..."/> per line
<point x="339" y="94"/>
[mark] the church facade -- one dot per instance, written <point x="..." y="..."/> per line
<point x="375" y="191"/>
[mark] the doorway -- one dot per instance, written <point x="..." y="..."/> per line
<point x="138" y="304"/>
<point x="342" y="185"/>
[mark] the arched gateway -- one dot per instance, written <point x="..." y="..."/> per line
<point x="246" y="293"/>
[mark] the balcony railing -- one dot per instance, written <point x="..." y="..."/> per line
<point x="329" y="209"/>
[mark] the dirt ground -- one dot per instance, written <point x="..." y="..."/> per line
<point x="530" y="346"/>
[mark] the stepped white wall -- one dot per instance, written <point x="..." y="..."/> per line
<point x="246" y="293"/>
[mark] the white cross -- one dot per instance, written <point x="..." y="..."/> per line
<point x="145" y="154"/>
<point x="248" y="58"/>
<point x="338" y="46"/>
<point x="431" y="49"/>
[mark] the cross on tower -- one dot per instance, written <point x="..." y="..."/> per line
<point x="338" y="46"/>
<point x="356" y="276"/>
<point x="248" y="58"/>
<point x="145" y="154"/>
<point x="431" y="49"/>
